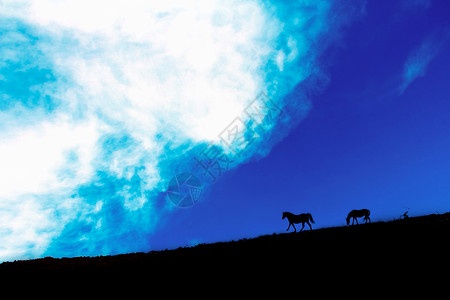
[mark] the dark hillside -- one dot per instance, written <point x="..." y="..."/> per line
<point x="400" y="246"/>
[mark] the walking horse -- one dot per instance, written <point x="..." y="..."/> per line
<point x="295" y="219"/>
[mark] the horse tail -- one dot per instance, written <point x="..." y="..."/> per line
<point x="311" y="218"/>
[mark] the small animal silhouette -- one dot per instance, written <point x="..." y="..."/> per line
<point x="358" y="213"/>
<point x="301" y="218"/>
<point x="404" y="215"/>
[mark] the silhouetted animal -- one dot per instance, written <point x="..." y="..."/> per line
<point x="358" y="213"/>
<point x="301" y="218"/>
<point x="404" y="215"/>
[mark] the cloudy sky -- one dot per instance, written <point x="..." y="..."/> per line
<point x="124" y="123"/>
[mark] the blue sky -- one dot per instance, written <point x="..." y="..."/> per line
<point x="306" y="106"/>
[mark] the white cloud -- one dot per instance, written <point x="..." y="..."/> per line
<point x="142" y="62"/>
<point x="419" y="58"/>
<point x="181" y="69"/>
<point x="40" y="168"/>
<point x="28" y="224"/>
<point x="157" y="72"/>
<point x="41" y="159"/>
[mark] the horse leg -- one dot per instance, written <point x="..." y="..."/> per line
<point x="356" y="221"/>
<point x="303" y="226"/>
<point x="294" y="227"/>
<point x="288" y="227"/>
<point x="309" y="225"/>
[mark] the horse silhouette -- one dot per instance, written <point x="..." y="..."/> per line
<point x="301" y="218"/>
<point x="358" y="213"/>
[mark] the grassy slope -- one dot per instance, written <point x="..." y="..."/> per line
<point x="401" y="246"/>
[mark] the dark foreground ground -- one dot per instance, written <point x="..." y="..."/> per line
<point x="416" y="247"/>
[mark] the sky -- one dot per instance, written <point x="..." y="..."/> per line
<point x="141" y="125"/>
